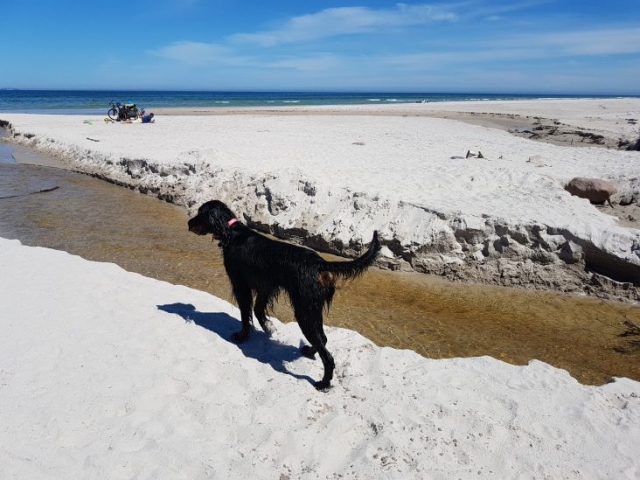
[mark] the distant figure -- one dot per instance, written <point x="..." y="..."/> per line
<point x="148" y="118"/>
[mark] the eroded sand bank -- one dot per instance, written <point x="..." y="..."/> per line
<point x="329" y="176"/>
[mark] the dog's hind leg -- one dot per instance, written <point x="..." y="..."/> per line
<point x="262" y="302"/>
<point x="310" y="351"/>
<point x="244" y="298"/>
<point x="325" y="356"/>
<point x="311" y="326"/>
<point x="329" y="366"/>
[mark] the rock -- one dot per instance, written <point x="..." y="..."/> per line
<point x="593" y="189"/>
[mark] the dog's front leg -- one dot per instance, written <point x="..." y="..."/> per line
<point x="245" y="303"/>
<point x="262" y="300"/>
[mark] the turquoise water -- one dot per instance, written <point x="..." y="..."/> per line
<point x="85" y="102"/>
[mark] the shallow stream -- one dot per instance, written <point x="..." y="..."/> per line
<point x="436" y="318"/>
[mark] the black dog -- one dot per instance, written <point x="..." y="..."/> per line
<point x="257" y="264"/>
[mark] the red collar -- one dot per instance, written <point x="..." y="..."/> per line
<point x="232" y="221"/>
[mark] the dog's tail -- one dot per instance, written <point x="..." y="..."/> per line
<point x="354" y="268"/>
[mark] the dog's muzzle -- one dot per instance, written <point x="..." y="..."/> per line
<point x="196" y="226"/>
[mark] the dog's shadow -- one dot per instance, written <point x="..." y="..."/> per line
<point x="259" y="346"/>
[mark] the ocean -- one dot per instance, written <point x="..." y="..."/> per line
<point x="85" y="102"/>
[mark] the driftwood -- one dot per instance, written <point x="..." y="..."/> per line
<point x="44" y="190"/>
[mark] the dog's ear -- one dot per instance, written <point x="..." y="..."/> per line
<point x="224" y="211"/>
<point x="219" y="215"/>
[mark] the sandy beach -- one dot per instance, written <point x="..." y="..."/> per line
<point x="328" y="176"/>
<point x="106" y="374"/>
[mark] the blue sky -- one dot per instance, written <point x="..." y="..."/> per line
<point x="535" y="46"/>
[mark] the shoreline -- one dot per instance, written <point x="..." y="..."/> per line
<point x="464" y="243"/>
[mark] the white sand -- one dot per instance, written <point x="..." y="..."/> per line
<point x="102" y="377"/>
<point x="339" y="177"/>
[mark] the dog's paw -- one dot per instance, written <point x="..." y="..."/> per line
<point x="308" y="352"/>
<point x="322" y="386"/>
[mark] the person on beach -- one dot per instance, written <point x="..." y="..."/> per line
<point x="148" y="118"/>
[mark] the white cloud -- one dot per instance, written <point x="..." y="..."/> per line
<point x="198" y="53"/>
<point x="205" y="54"/>
<point x="597" y="42"/>
<point x="321" y="63"/>
<point x="346" y="21"/>
<point x="593" y="42"/>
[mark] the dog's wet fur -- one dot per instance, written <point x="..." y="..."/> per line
<point x="261" y="267"/>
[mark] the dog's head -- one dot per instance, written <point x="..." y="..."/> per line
<point x="214" y="218"/>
